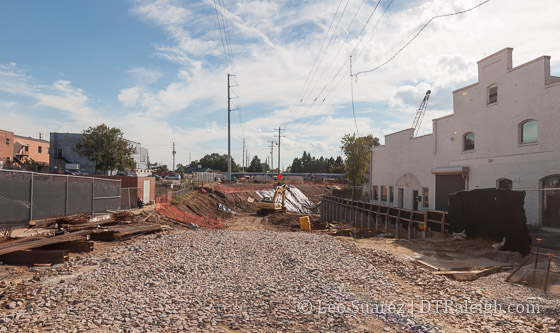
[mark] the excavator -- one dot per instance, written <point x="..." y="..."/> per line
<point x="269" y="205"/>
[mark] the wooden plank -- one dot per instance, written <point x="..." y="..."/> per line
<point x="422" y="262"/>
<point x="79" y="235"/>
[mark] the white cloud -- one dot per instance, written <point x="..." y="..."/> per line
<point x="274" y="45"/>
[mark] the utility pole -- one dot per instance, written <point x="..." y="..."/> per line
<point x="272" y="154"/>
<point x="40" y="136"/>
<point x="243" y="158"/>
<point x="228" y="129"/>
<point x="174" y="152"/>
<point x="279" y="136"/>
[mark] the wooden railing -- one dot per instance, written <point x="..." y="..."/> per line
<point x="377" y="216"/>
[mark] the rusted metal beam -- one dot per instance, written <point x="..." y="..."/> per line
<point x="35" y="257"/>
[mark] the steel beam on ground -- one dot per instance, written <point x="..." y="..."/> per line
<point x="35" y="257"/>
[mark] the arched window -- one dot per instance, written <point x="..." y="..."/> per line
<point x="468" y="141"/>
<point x="504" y="184"/>
<point x="528" y="131"/>
<point x="492" y="94"/>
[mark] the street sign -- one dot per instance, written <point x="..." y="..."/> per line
<point x="280" y="176"/>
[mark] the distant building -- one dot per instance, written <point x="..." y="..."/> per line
<point x="502" y="134"/>
<point x="15" y="150"/>
<point x="62" y="153"/>
<point x="31" y="148"/>
<point x="191" y="169"/>
<point x="6" y="148"/>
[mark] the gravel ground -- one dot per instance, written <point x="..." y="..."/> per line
<point x="255" y="281"/>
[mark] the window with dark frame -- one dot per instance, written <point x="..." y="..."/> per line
<point x="391" y="194"/>
<point x="492" y="94"/>
<point x="468" y="141"/>
<point x="383" y="193"/>
<point x="504" y="184"/>
<point x="426" y="197"/>
<point x="375" y="192"/>
<point x="40" y="149"/>
<point x="528" y="131"/>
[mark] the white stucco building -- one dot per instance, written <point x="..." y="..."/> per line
<point x="504" y="132"/>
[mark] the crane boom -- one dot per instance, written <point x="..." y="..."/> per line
<point x="420" y="113"/>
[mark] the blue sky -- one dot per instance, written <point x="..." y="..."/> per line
<point x="157" y="70"/>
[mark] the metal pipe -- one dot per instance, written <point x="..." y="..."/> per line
<point x="31" y="198"/>
<point x="538" y="249"/>
<point x="66" y="198"/>
<point x="92" y="196"/>
<point x="550" y="255"/>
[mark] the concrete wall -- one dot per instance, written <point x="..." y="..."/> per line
<point x="524" y="92"/>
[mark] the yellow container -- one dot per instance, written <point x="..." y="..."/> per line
<point x="304" y="223"/>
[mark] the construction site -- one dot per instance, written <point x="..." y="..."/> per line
<point x="269" y="257"/>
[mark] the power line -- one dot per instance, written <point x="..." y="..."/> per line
<point x="360" y="36"/>
<point x="221" y="34"/>
<point x="303" y="89"/>
<point x="418" y="33"/>
<point x="343" y="65"/>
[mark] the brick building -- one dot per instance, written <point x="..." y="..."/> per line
<point x="503" y="133"/>
<point x="6" y="148"/>
<point x="16" y="150"/>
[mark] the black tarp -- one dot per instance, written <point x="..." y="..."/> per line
<point x="491" y="214"/>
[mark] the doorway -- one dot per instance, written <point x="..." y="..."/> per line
<point x="401" y="197"/>
<point x="446" y="185"/>
<point x="415" y="200"/>
<point x="551" y="202"/>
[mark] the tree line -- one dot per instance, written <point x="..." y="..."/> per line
<point x="109" y="150"/>
<point x="311" y="164"/>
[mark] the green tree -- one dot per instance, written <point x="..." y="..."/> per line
<point x="216" y="161"/>
<point x="107" y="148"/>
<point x="159" y="168"/>
<point x="356" y="150"/>
<point x="256" y="165"/>
<point x="180" y="168"/>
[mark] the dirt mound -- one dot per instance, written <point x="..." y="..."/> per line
<point x="215" y="205"/>
<point x="314" y="192"/>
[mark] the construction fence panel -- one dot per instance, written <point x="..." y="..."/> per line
<point x="106" y="196"/>
<point x="26" y="196"/>
<point x="542" y="207"/>
<point x="15" y="193"/>
<point x="49" y="196"/>
<point x="207" y="177"/>
<point x="129" y="197"/>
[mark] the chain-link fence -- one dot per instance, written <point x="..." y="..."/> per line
<point x="129" y="197"/>
<point x="26" y="196"/>
<point x="207" y="177"/>
<point x="542" y="206"/>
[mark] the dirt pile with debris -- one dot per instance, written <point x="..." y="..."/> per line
<point x="219" y="205"/>
<point x="315" y="192"/>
